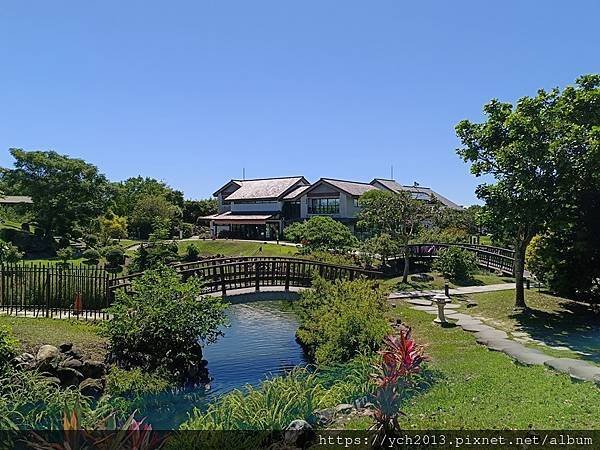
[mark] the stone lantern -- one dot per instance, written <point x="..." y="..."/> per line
<point x="440" y="300"/>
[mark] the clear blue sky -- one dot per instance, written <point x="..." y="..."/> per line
<point x="192" y="92"/>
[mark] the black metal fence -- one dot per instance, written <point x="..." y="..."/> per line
<point x="46" y="290"/>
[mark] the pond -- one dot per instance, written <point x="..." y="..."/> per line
<point x="259" y="343"/>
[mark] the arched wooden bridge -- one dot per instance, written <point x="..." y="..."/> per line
<point x="226" y="274"/>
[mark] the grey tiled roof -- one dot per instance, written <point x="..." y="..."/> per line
<point x="297" y="192"/>
<point x="417" y="191"/>
<point x="14" y="199"/>
<point x="266" y="188"/>
<point x="355" y="188"/>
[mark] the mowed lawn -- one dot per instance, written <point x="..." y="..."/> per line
<point x="554" y="320"/>
<point x="32" y="333"/>
<point x="236" y="248"/>
<point x="475" y="388"/>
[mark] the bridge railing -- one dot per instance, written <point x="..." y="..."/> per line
<point x="489" y="257"/>
<point x="225" y="274"/>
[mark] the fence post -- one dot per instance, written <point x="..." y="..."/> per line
<point x="287" y="275"/>
<point x="257" y="276"/>
<point x="48" y="293"/>
<point x="222" y="275"/>
<point x="446" y="290"/>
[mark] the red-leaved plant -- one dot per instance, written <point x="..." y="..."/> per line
<point x="401" y="358"/>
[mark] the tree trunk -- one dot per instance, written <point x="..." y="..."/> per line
<point x="406" y="264"/>
<point x="519" y="275"/>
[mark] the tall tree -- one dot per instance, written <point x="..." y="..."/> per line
<point x="397" y="215"/>
<point x="537" y="151"/>
<point x="152" y="213"/>
<point x="66" y="192"/>
<point x="130" y="191"/>
<point x="192" y="209"/>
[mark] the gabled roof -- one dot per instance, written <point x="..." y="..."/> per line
<point x="353" y="188"/>
<point x="296" y="193"/>
<point x="15" y="199"/>
<point x="264" y="188"/>
<point x="419" y="192"/>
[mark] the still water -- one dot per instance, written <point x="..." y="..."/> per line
<point x="258" y="343"/>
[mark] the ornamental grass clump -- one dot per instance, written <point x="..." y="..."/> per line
<point x="160" y="324"/>
<point x="400" y="361"/>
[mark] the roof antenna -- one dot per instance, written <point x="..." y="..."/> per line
<point x="392" y="173"/>
<point x="243" y="173"/>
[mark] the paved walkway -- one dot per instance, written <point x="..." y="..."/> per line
<point x="454" y="291"/>
<point x="498" y="340"/>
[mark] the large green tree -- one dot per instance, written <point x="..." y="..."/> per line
<point x="66" y="192"/>
<point x="397" y="215"/>
<point x="322" y="233"/>
<point x="129" y="192"/>
<point x="192" y="209"/>
<point x="539" y="153"/>
<point x="151" y="213"/>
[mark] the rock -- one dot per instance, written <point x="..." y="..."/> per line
<point x="74" y="353"/>
<point x="344" y="408"/>
<point x="24" y="361"/>
<point x="298" y="433"/>
<point x="562" y="364"/>
<point x="471" y="303"/>
<point x="421" y="277"/>
<point x="324" y="416"/>
<point x="69" y="377"/>
<point x="65" y="347"/>
<point x="91" y="387"/>
<point x="53" y="380"/>
<point x="585" y="372"/>
<point x="93" y="369"/>
<point x="71" y="363"/>
<point x="46" y="353"/>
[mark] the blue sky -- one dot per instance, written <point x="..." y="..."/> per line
<point x="192" y="92"/>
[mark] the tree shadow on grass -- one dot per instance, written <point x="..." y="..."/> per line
<point x="574" y="326"/>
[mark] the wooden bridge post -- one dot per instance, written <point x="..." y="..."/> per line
<point x="287" y="275"/>
<point x="257" y="276"/>
<point x="222" y="276"/>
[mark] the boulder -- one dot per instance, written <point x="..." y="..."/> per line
<point x="585" y="372"/>
<point x="93" y="369"/>
<point x="324" y="416"/>
<point x="69" y="377"/>
<point x="46" y="353"/>
<point x="421" y="277"/>
<point x="72" y="363"/>
<point x="298" y="433"/>
<point x="91" y="387"/>
<point x="24" y="361"/>
<point x="65" y="347"/>
<point x="344" y="408"/>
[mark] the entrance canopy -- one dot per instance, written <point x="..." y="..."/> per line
<point x="229" y="218"/>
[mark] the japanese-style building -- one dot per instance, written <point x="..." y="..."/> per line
<point x="261" y="208"/>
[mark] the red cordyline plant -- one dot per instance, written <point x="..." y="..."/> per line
<point x="401" y="358"/>
<point x="107" y="435"/>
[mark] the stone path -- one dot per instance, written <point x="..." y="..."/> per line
<point x="454" y="291"/>
<point x="498" y="340"/>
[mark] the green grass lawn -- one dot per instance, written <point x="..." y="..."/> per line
<point x="479" y="279"/>
<point x="237" y="248"/>
<point x="475" y="388"/>
<point x="35" y="332"/>
<point x="557" y="321"/>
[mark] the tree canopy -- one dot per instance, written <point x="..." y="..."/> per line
<point x="322" y="233"/>
<point x="539" y="152"/>
<point x="66" y="192"/>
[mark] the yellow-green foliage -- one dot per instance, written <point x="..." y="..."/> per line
<point x="341" y="320"/>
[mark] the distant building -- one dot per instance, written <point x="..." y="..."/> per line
<point x="15" y="200"/>
<point x="261" y="208"/>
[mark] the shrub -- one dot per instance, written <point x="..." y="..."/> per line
<point x="91" y="256"/>
<point x="322" y="233"/>
<point x="342" y="320"/>
<point x="456" y="263"/>
<point x="9" y="253"/>
<point x="450" y="235"/>
<point x="159" y="325"/>
<point x="187" y="230"/>
<point x="9" y="347"/>
<point x="134" y="383"/>
<point x="91" y="240"/>
<point x="115" y="256"/>
<point x="334" y="258"/>
<point x="191" y="252"/>
<point x="65" y="254"/>
<point x="153" y="255"/>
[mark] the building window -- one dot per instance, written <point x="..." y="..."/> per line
<point x="323" y="205"/>
<point x="356" y="203"/>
